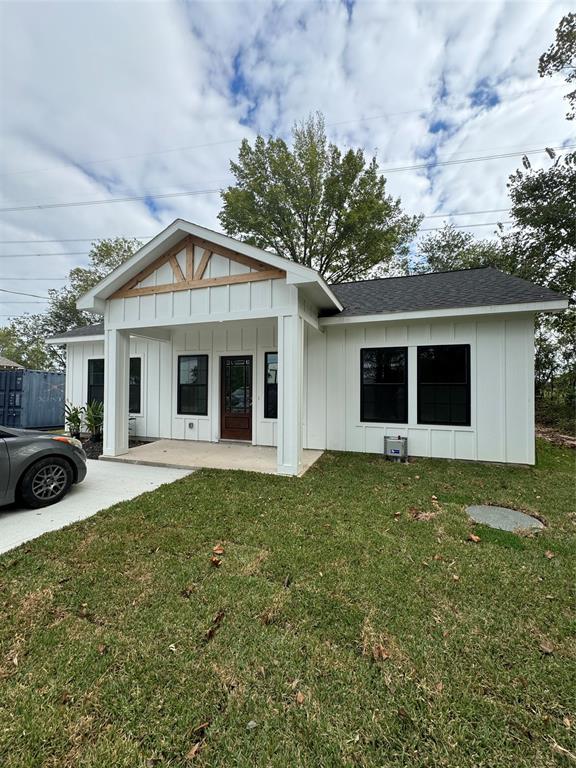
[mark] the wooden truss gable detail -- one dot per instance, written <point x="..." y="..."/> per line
<point x="194" y="274"/>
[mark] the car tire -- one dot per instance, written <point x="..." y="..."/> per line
<point x="45" y="482"/>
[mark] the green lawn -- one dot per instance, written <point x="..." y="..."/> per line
<point x="351" y="623"/>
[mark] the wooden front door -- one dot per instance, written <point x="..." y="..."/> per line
<point x="236" y="397"/>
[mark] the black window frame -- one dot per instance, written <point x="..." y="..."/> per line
<point x="90" y="398"/>
<point x="363" y="417"/>
<point x="268" y="387"/>
<point x="132" y="387"/>
<point x="463" y="386"/>
<point x="179" y="385"/>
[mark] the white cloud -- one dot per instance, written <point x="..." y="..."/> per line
<point x="110" y="99"/>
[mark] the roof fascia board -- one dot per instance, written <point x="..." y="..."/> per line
<point x="495" y="309"/>
<point x="296" y="273"/>
<point x="73" y="339"/>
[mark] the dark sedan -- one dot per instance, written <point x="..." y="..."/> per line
<point x="37" y="469"/>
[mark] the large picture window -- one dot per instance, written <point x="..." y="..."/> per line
<point x="384" y="385"/>
<point x="444" y="385"/>
<point x="95" y="392"/>
<point x="271" y="385"/>
<point x="96" y="383"/>
<point x="193" y="385"/>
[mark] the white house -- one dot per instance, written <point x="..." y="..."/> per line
<point x="207" y="338"/>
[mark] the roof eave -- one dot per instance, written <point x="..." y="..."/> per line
<point x="94" y="300"/>
<point x="557" y="305"/>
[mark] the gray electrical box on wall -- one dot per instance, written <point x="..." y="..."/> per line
<point x="396" y="448"/>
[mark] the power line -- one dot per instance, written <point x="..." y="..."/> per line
<point x="477" y="159"/>
<point x="148" y="237"/>
<point x="467" y="226"/>
<point x="20" y="255"/>
<point x="21" y="293"/>
<point x="205" y="145"/>
<point x="79" y="239"/>
<point x="165" y="195"/>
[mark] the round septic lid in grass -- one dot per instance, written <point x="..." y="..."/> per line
<point x="503" y="518"/>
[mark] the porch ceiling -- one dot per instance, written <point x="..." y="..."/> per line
<point x="193" y="454"/>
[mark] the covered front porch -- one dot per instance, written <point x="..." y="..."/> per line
<point x="188" y="454"/>
<point x="205" y="395"/>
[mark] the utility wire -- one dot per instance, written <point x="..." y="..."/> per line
<point x="148" y="237"/>
<point x="21" y="293"/>
<point x="191" y="193"/>
<point x="205" y="145"/>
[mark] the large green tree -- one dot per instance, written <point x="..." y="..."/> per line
<point x="561" y="57"/>
<point x="316" y="205"/>
<point x="25" y="335"/>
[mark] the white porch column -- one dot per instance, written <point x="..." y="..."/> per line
<point x="290" y="393"/>
<point x="116" y="372"/>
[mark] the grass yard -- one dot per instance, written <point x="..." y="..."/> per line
<point x="351" y="623"/>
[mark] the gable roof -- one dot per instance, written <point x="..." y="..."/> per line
<point x="10" y="364"/>
<point x="296" y="274"/>
<point x="480" y="287"/>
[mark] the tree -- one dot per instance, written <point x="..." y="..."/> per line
<point x="27" y="333"/>
<point x="23" y="347"/>
<point x="561" y="57"/>
<point x="315" y="205"/>
<point x="450" y="248"/>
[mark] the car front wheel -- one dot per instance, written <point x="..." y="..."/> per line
<point x="46" y="482"/>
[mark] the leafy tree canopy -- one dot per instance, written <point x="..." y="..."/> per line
<point x="561" y="57"/>
<point x="316" y="206"/>
<point x="25" y="335"/>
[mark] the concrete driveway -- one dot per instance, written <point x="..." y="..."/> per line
<point x="106" y="483"/>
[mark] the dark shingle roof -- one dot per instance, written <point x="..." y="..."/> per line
<point x="84" y="330"/>
<point x="480" y="287"/>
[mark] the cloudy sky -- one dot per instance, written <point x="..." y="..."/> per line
<point x="107" y="100"/>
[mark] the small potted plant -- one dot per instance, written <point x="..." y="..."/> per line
<point x="73" y="416"/>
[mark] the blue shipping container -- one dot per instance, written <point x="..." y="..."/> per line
<point x="32" y="399"/>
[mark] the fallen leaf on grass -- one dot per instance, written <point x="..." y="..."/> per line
<point x="194" y="749"/>
<point x="439" y="687"/>
<point x="102" y="649"/>
<point x="456" y="577"/>
<point x="548" y="554"/>
<point x="379" y="652"/>
<point x="216" y="621"/>
<point x="300" y="698"/>
<point x="215" y="562"/>
<point x="251" y="725"/>
<point x="567" y="722"/>
<point x="218" y="549"/>
<point x="172" y="648"/>
<point x="546" y="647"/>
<point x="473" y="537"/>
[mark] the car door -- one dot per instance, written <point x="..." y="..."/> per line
<point x="4" y="468"/>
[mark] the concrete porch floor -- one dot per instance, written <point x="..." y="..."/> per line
<point x="193" y="454"/>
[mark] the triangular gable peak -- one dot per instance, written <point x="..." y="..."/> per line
<point x="196" y="263"/>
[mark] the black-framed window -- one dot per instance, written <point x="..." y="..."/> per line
<point x="271" y="385"/>
<point x="96" y="383"/>
<point x="444" y="385"/>
<point x="134" y="393"/>
<point x="384" y="385"/>
<point x="95" y="392"/>
<point x="193" y="385"/>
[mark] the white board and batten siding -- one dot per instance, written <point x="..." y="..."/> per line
<point x="502" y="395"/>
<point x="262" y="298"/>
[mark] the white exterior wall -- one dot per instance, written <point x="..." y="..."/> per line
<point x="159" y="417"/>
<point x="238" y="301"/>
<point x="502" y="388"/>
<point x="502" y="376"/>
